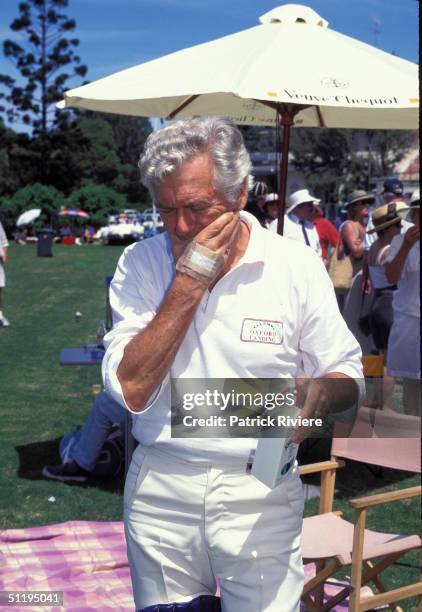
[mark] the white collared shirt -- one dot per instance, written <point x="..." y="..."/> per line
<point x="293" y="230"/>
<point x="406" y="300"/>
<point x="279" y="286"/>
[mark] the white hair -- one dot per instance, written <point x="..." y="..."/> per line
<point x="166" y="149"/>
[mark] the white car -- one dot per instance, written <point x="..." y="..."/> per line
<point x="151" y="220"/>
<point x="121" y="233"/>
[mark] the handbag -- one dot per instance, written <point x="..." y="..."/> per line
<point x="341" y="270"/>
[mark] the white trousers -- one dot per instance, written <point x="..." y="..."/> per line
<point x="187" y="523"/>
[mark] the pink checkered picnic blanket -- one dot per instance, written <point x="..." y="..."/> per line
<point x="84" y="559"/>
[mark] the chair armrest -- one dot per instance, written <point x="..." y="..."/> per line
<point x="322" y="466"/>
<point x="380" y="498"/>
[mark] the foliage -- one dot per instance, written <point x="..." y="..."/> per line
<point x="336" y="161"/>
<point x="327" y="160"/>
<point x="385" y="148"/>
<point x="48" y="198"/>
<point x="46" y="61"/>
<point x="97" y="200"/>
<point x="17" y="161"/>
<point x="93" y="149"/>
<point x="129" y="135"/>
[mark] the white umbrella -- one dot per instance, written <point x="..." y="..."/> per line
<point x="28" y="217"/>
<point x="289" y="70"/>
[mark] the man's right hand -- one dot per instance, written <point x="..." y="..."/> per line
<point x="218" y="236"/>
<point x="218" y="239"/>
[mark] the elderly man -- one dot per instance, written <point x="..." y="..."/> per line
<point x="196" y="302"/>
<point x="298" y="220"/>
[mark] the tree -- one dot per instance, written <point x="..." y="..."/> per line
<point x="42" y="60"/>
<point x="336" y="161"/>
<point x="386" y="148"/>
<point x="129" y="134"/>
<point x="327" y="160"/>
<point x="97" y="148"/>
<point x="97" y="200"/>
<point x="45" y="197"/>
<point x="17" y="161"/>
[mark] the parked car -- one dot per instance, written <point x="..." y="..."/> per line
<point x="122" y="228"/>
<point x="151" y="220"/>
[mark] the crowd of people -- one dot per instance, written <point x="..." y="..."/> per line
<point x="381" y="241"/>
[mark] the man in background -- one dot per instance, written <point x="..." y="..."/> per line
<point x="298" y="220"/>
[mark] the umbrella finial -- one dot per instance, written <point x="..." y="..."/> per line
<point x="293" y="13"/>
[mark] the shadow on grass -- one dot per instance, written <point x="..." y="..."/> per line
<point x="33" y="457"/>
<point x="355" y="478"/>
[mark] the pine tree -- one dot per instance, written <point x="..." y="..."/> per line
<point x="42" y="59"/>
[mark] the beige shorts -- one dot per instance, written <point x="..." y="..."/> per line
<point x="190" y="523"/>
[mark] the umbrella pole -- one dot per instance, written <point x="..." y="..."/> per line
<point x="285" y="119"/>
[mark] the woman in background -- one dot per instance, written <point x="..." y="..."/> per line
<point x="352" y="233"/>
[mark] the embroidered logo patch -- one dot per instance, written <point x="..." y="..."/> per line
<point x="258" y="330"/>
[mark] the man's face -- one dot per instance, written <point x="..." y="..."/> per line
<point x="360" y="209"/>
<point x="272" y="210"/>
<point x="188" y="202"/>
<point x="305" y="211"/>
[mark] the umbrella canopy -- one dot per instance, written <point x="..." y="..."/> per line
<point x="28" y="217"/>
<point x="73" y="212"/>
<point x="289" y="70"/>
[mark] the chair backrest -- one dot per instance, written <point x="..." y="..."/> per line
<point x="372" y="441"/>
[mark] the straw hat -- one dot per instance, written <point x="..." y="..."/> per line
<point x="300" y="197"/>
<point x="387" y="215"/>
<point x="357" y="196"/>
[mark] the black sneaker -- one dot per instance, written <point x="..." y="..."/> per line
<point x="65" y="472"/>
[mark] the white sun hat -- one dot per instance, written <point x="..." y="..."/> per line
<point x="300" y="197"/>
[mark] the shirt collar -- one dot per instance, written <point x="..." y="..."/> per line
<point x="296" y="220"/>
<point x="255" y="251"/>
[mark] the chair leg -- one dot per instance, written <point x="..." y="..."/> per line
<point x="381" y="587"/>
<point x="319" y="591"/>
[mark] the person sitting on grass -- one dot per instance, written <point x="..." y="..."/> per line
<point x="105" y="412"/>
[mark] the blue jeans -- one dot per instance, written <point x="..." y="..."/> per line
<point x="105" y="412"/>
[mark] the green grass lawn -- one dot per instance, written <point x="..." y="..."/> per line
<point x="41" y="400"/>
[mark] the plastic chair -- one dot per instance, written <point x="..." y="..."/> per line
<point x="331" y="543"/>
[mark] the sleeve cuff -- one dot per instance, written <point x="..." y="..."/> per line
<point x="112" y="384"/>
